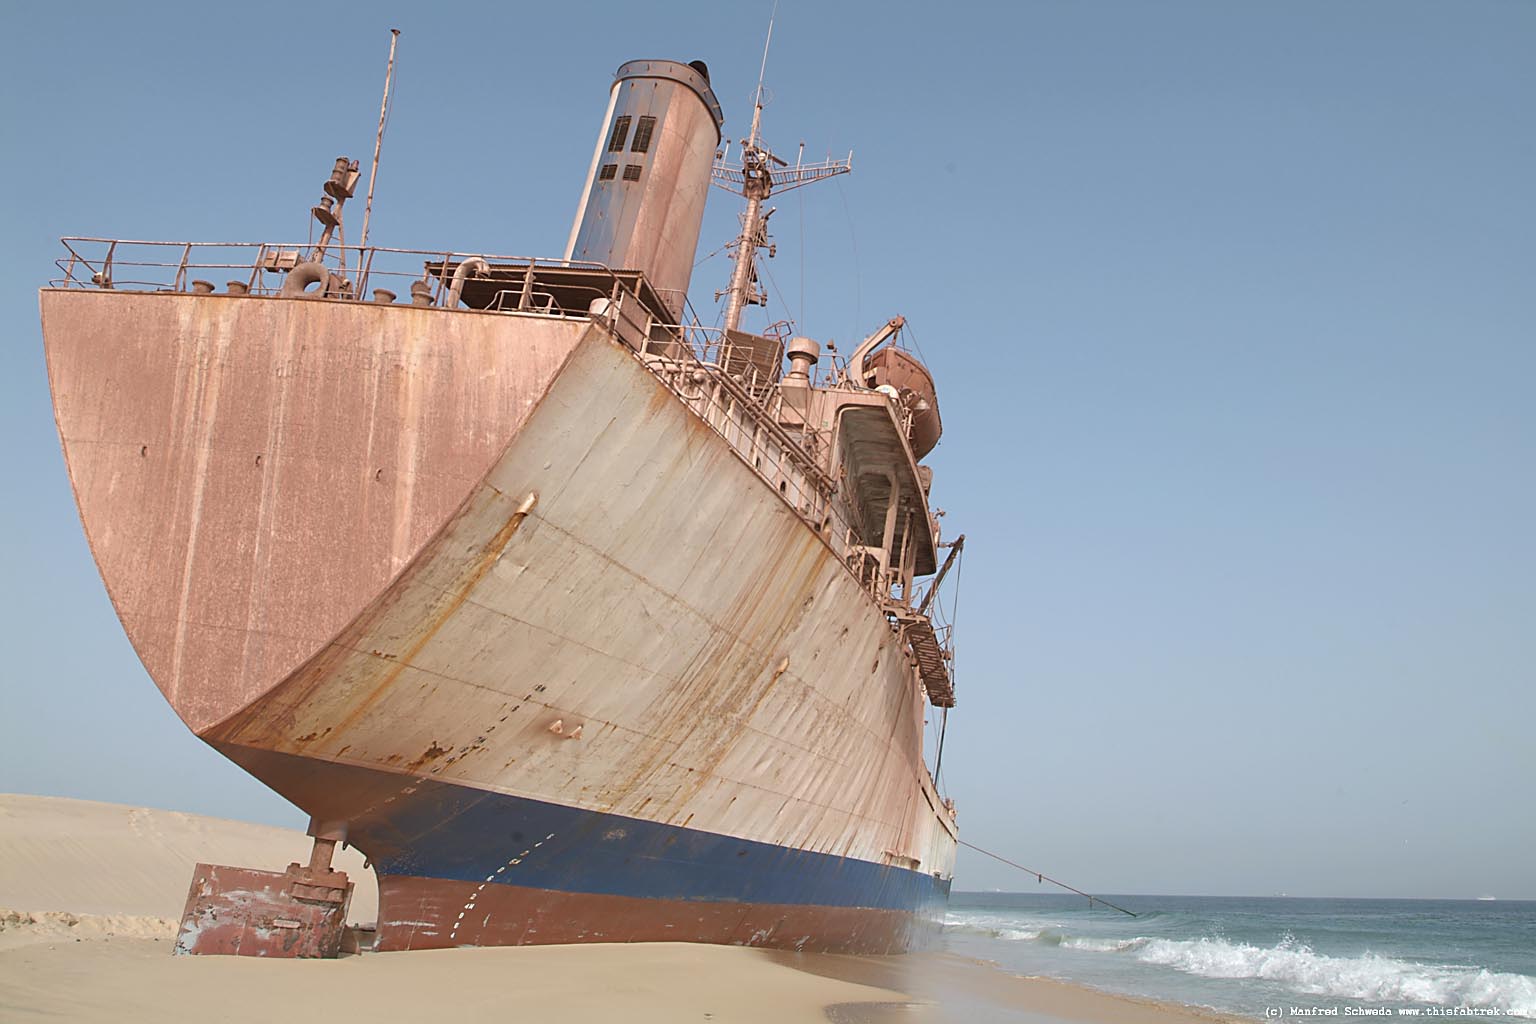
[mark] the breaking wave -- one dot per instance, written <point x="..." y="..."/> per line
<point x="1297" y="967"/>
<point x="999" y="927"/>
<point x="1104" y="945"/>
<point x="1367" y="977"/>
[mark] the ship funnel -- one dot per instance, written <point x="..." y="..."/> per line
<point x="644" y="199"/>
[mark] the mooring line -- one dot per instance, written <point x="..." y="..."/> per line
<point x="1046" y="878"/>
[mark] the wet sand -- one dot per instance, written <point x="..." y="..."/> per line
<point x="951" y="989"/>
<point x="90" y="894"/>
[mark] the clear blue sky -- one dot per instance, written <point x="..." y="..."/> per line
<point x="1231" y="307"/>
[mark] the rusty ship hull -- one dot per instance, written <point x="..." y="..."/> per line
<point x="581" y="622"/>
<point x="391" y="560"/>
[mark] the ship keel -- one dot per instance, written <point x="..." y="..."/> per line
<point x="462" y="866"/>
<point x="508" y="915"/>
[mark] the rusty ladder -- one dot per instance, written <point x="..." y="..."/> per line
<point x="932" y="665"/>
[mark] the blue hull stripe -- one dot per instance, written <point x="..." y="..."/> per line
<point x="459" y="833"/>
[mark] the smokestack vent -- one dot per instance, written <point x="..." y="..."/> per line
<point x="665" y="121"/>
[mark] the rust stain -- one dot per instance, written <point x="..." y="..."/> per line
<point x="316" y="385"/>
<point x="515" y="915"/>
<point x="659" y="400"/>
<point x="244" y="912"/>
<point x="432" y="753"/>
<point x="730" y="672"/>
<point x="482" y="565"/>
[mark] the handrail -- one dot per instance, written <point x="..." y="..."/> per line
<point x="151" y="265"/>
<point x="701" y="354"/>
<point x="699" y="364"/>
<point x="815" y="493"/>
<point x="695" y="380"/>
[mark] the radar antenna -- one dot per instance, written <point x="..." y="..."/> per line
<point x="757" y="175"/>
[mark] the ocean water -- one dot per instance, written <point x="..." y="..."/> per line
<point x="1278" y="958"/>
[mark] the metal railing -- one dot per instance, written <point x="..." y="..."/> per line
<point x="694" y="364"/>
<point x="721" y="382"/>
<point x="728" y="391"/>
<point x="261" y="268"/>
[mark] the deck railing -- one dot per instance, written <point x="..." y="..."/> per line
<point x="261" y="268"/>
<point x="723" y="384"/>
<point x="730" y="386"/>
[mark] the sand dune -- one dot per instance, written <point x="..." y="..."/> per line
<point x="90" y="896"/>
<point x="93" y="858"/>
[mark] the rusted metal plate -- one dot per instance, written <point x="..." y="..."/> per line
<point x="727" y="672"/>
<point x="251" y="472"/>
<point x="243" y="912"/>
<point x="618" y="613"/>
<point x="431" y="915"/>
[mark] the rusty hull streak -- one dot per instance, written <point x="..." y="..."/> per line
<point x="813" y="739"/>
<point x="476" y="572"/>
<point x="341" y="406"/>
<point x="244" y="912"/>
<point x="314" y="517"/>
<point x="510" y="915"/>
<point x="692" y="716"/>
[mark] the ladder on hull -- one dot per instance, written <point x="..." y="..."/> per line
<point x="932" y="658"/>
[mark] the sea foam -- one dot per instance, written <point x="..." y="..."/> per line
<point x="1369" y="977"/>
<point x="1000" y="927"/>
<point x="1292" y="965"/>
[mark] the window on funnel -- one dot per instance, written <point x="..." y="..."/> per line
<point x="643" y="130"/>
<point x="620" y="133"/>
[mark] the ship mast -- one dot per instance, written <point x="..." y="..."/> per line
<point x="757" y="176"/>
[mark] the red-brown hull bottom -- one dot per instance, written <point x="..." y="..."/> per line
<point x="432" y="913"/>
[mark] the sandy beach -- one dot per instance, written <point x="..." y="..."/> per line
<point x="90" y="894"/>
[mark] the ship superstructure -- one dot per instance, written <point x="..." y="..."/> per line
<point x="583" y="621"/>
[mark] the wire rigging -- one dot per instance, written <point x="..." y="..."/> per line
<point x="1039" y="876"/>
<point x="711" y="256"/>
<point x="909" y="332"/>
<point x="778" y="293"/>
<point x="858" y="276"/>
<point x="802" y="252"/>
<point x="938" y="761"/>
